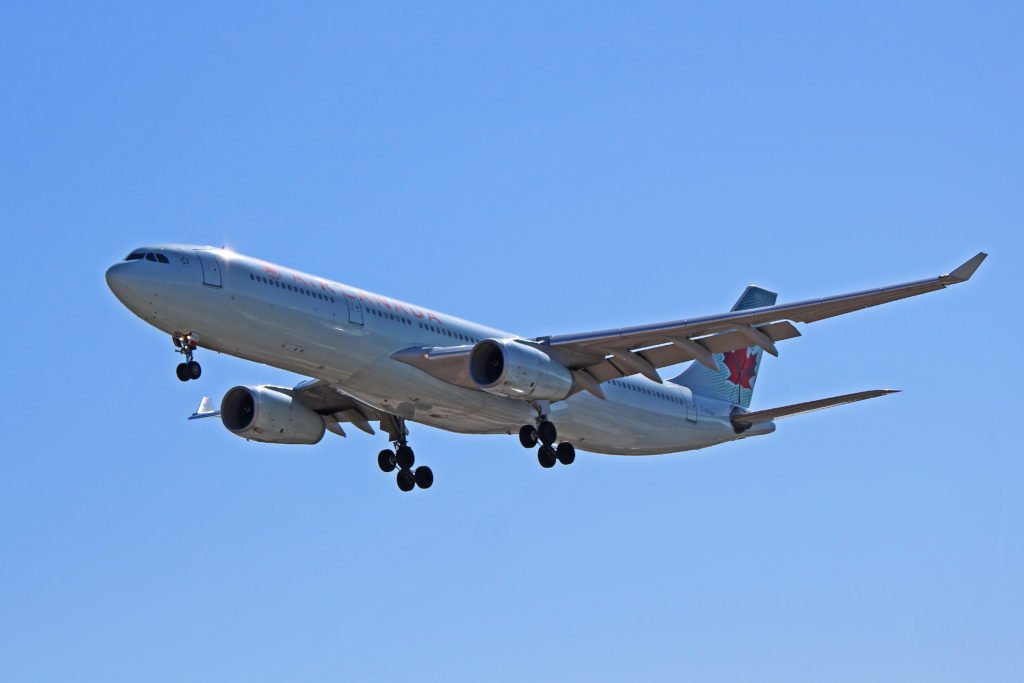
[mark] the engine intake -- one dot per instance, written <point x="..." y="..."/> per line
<point x="262" y="414"/>
<point x="509" y="368"/>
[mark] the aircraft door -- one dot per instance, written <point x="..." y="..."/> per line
<point x="355" y="310"/>
<point x="211" y="269"/>
<point x="691" y="409"/>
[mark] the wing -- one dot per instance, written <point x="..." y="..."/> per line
<point x="332" y="402"/>
<point x="596" y="357"/>
<point x="609" y="354"/>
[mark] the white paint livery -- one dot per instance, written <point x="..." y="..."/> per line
<point x="375" y="359"/>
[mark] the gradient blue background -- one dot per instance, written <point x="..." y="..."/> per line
<point x="545" y="169"/>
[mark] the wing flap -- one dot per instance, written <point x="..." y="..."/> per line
<point x="807" y="407"/>
<point x="673" y="354"/>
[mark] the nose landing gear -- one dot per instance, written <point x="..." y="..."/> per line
<point x="186" y="344"/>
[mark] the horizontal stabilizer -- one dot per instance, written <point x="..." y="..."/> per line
<point x="807" y="406"/>
<point x="205" y="409"/>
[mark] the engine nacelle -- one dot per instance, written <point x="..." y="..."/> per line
<point x="262" y="414"/>
<point x="508" y="368"/>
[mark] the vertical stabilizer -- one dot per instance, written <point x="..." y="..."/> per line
<point x="737" y="370"/>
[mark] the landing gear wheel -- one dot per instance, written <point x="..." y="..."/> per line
<point x="194" y="369"/>
<point x="406" y="480"/>
<point x="404" y="457"/>
<point x="386" y="460"/>
<point x="424" y="477"/>
<point x="546" y="456"/>
<point x="528" y="436"/>
<point x="182" y="372"/>
<point x="565" y="453"/>
<point x="547" y="433"/>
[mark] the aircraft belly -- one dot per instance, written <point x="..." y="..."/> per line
<point x="406" y="391"/>
<point x="628" y="428"/>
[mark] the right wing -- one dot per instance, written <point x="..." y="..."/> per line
<point x="330" y="402"/>
<point x="334" y="404"/>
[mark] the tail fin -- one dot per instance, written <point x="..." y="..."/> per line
<point x="737" y="370"/>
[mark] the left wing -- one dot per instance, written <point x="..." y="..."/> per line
<point x="629" y="350"/>
<point x="596" y="357"/>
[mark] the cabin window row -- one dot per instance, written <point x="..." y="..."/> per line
<point x="449" y="333"/>
<point x="646" y="391"/>
<point x="389" y="316"/>
<point x="291" y="288"/>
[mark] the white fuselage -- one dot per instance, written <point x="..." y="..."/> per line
<point x="323" y="329"/>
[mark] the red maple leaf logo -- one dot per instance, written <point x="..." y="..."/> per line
<point x="741" y="367"/>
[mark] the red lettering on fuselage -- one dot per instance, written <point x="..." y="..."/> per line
<point x="383" y="302"/>
<point x="296" y="278"/>
<point x="400" y="307"/>
<point x="271" y="272"/>
<point x="324" y="286"/>
<point x="431" y="316"/>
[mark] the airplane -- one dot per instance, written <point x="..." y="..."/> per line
<point x="371" y="358"/>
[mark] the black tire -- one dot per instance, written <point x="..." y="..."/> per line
<point x="565" y="453"/>
<point x="528" y="436"/>
<point x="194" y="370"/>
<point x="406" y="480"/>
<point x="547" y="433"/>
<point x="424" y="477"/>
<point x="404" y="457"/>
<point x="546" y="456"/>
<point x="386" y="460"/>
<point x="182" y="372"/>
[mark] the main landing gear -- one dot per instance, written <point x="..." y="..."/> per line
<point x="547" y="435"/>
<point x="403" y="459"/>
<point x="186" y="344"/>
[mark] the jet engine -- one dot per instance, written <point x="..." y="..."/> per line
<point x="262" y="414"/>
<point x="509" y="368"/>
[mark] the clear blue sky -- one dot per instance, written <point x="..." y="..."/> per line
<point x="545" y="169"/>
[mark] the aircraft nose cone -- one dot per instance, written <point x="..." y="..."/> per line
<point x="115" y="277"/>
<point x="120" y="279"/>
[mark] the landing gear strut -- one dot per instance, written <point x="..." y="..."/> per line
<point x="402" y="457"/>
<point x="546" y="434"/>
<point x="186" y="344"/>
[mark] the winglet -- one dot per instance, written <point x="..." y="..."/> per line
<point x="964" y="272"/>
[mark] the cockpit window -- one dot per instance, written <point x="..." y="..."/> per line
<point x="136" y="255"/>
<point x="161" y="258"/>
<point x="151" y="256"/>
